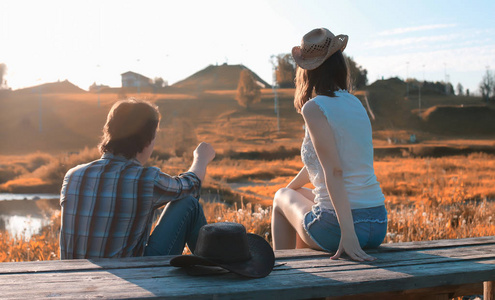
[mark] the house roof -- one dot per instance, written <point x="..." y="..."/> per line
<point x="220" y="77"/>
<point x="137" y="74"/>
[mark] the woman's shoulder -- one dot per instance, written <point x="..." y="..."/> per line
<point x="312" y="108"/>
<point x="311" y="104"/>
<point x="340" y="97"/>
<point x="322" y="102"/>
<point x="336" y="95"/>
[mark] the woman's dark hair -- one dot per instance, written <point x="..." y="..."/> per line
<point x="332" y="75"/>
<point x="131" y="126"/>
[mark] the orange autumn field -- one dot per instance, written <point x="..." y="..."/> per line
<point x="428" y="197"/>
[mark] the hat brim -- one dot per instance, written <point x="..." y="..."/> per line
<point x="260" y="265"/>
<point x="339" y="42"/>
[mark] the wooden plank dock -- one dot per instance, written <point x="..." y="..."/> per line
<point x="417" y="270"/>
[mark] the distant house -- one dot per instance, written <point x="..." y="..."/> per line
<point x="131" y="79"/>
<point x="97" y="87"/>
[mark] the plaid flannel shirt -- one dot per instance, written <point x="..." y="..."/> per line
<point x="108" y="206"/>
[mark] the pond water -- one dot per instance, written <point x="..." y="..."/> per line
<point x="22" y="226"/>
<point x="23" y="215"/>
<point x="9" y="196"/>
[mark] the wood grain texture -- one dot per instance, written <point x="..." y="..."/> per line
<point x="429" y="270"/>
<point x="489" y="290"/>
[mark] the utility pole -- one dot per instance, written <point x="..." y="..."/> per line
<point x="138" y="81"/>
<point x="274" y="89"/>
<point x="447" y="91"/>
<point x="407" y="79"/>
<point x="98" y="85"/>
<point x="419" y="100"/>
<point x="40" y="109"/>
<point x="419" y="90"/>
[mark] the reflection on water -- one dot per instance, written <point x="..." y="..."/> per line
<point x="9" y="196"/>
<point x="24" y="218"/>
<point x="22" y="226"/>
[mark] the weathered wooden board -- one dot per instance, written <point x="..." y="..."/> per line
<point x="438" y="268"/>
<point x="140" y="282"/>
<point x="282" y="256"/>
<point x="83" y="264"/>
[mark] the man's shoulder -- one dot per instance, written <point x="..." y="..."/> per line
<point x="85" y="166"/>
<point x="99" y="165"/>
<point x="152" y="171"/>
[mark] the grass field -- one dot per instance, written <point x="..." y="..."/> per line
<point x="427" y="198"/>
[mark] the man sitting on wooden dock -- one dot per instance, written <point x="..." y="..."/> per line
<point x="108" y="204"/>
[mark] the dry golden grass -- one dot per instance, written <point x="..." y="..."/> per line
<point x="406" y="223"/>
<point x="42" y="246"/>
<point x="434" y="181"/>
<point x="427" y="198"/>
<point x="230" y="170"/>
<point x="45" y="245"/>
<point x="428" y="181"/>
<point x="41" y="172"/>
<point x="288" y="93"/>
<point x="72" y="121"/>
<point x="424" y="223"/>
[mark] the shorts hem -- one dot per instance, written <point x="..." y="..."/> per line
<point x="306" y="228"/>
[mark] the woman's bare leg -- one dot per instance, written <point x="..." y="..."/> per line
<point x="300" y="244"/>
<point x="308" y="193"/>
<point x="289" y="208"/>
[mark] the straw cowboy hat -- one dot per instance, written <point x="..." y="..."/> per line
<point x="316" y="46"/>
<point x="227" y="245"/>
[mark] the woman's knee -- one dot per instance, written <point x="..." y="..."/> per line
<point x="281" y="196"/>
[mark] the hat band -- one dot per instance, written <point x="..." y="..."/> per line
<point x="316" y="50"/>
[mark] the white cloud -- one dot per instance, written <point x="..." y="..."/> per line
<point x="465" y="65"/>
<point x="381" y="43"/>
<point x="403" y="30"/>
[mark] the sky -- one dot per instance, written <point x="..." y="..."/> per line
<point x="96" y="41"/>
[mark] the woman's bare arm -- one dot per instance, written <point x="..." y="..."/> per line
<point x="301" y="179"/>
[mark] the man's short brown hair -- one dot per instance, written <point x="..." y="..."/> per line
<point x="131" y="126"/>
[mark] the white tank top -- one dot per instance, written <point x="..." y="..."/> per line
<point x="352" y="129"/>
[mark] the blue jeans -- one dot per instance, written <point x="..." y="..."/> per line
<point x="179" y="224"/>
<point x="323" y="227"/>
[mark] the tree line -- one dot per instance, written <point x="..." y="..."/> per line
<point x="487" y="86"/>
<point x="248" y="91"/>
<point x="286" y="71"/>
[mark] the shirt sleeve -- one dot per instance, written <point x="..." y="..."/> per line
<point x="65" y="186"/>
<point x="170" y="188"/>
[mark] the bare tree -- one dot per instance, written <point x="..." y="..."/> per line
<point x="487" y="85"/>
<point x="3" y="71"/>
<point x="358" y="74"/>
<point x="248" y="90"/>
<point x="460" y="89"/>
<point x="159" y="82"/>
<point x="286" y="71"/>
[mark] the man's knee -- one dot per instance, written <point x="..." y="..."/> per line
<point x="187" y="202"/>
<point x="186" y="206"/>
<point x="191" y="200"/>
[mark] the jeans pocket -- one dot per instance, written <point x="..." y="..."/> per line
<point x="363" y="233"/>
<point x="377" y="234"/>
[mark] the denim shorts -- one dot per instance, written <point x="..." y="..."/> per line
<point x="323" y="227"/>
